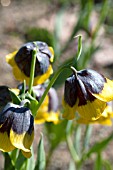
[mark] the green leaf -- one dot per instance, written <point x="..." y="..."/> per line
<point x="65" y="73"/>
<point x="107" y="165"/>
<point x="14" y="154"/>
<point x="40" y="34"/>
<point x="53" y="133"/>
<point x="22" y="90"/>
<point x="30" y="161"/>
<point x="14" y="97"/>
<point x="62" y="77"/>
<point x="77" y="139"/>
<point x="86" y="55"/>
<point x="33" y="103"/>
<point x="102" y="17"/>
<point x="8" y="165"/>
<point x="72" y="165"/>
<point x="69" y="140"/>
<point x="98" y="162"/>
<point x="79" y="47"/>
<point x="76" y="28"/>
<point x="20" y="162"/>
<point x="98" y="147"/>
<point x="41" y="159"/>
<point x="87" y="137"/>
<point x="57" y="32"/>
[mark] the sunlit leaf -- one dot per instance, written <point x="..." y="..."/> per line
<point x="98" y="162"/>
<point x="57" y="32"/>
<point x="33" y="103"/>
<point x="31" y="162"/>
<point x="14" y="97"/>
<point x="8" y="162"/>
<point x="20" y="162"/>
<point x="98" y="147"/>
<point x="79" y="50"/>
<point x="107" y="165"/>
<point x="41" y="159"/>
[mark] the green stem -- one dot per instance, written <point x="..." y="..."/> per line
<point x="51" y="83"/>
<point x="87" y="137"/>
<point x="8" y="162"/>
<point x="32" y="71"/>
<point x="71" y="147"/>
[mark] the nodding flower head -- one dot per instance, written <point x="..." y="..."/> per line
<point x="86" y="92"/>
<point x="48" y="111"/>
<point x="16" y="129"/>
<point x="21" y="62"/>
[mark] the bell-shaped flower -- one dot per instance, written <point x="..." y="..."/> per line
<point x="16" y="129"/>
<point x="86" y="92"/>
<point x="48" y="111"/>
<point x="21" y="62"/>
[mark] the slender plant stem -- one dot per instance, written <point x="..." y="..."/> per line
<point x="87" y="137"/>
<point x="71" y="147"/>
<point x="51" y="83"/>
<point x="32" y="71"/>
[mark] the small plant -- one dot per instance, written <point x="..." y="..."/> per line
<point x="86" y="100"/>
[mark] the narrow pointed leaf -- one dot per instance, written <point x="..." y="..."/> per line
<point x="72" y="165"/>
<point x="41" y="160"/>
<point x="14" y="97"/>
<point x="21" y="160"/>
<point x="22" y="91"/>
<point x="33" y="103"/>
<point x="98" y="162"/>
<point x="77" y="139"/>
<point x="87" y="137"/>
<point x="107" y="165"/>
<point x="98" y="147"/>
<point x="8" y="165"/>
<point x="30" y="161"/>
<point x="13" y="155"/>
<point x="79" y="50"/>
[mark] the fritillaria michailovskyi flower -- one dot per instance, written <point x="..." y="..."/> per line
<point x="16" y="129"/>
<point x="86" y="92"/>
<point x="21" y="62"/>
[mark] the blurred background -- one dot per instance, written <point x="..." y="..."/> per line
<point x="57" y="22"/>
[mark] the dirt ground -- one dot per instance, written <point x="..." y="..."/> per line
<point x="23" y="14"/>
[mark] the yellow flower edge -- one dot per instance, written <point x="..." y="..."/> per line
<point x="43" y="115"/>
<point x="52" y="52"/>
<point x="47" y="117"/>
<point x="91" y="110"/>
<point x="106" y="94"/>
<point x="5" y="143"/>
<point x="104" y="119"/>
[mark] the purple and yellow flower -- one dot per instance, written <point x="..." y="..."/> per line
<point x="87" y="93"/>
<point x="16" y="129"/>
<point x="48" y="111"/>
<point x="21" y="62"/>
<point x="105" y="119"/>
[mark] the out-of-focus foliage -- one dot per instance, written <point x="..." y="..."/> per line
<point x="64" y="55"/>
